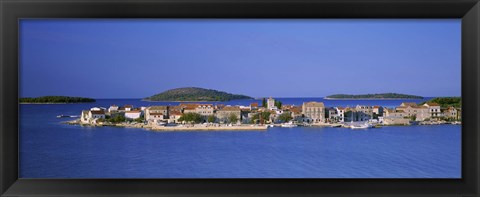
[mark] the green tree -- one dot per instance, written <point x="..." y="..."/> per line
<point x="445" y="102"/>
<point x="264" y="102"/>
<point x="56" y="99"/>
<point x="233" y="118"/>
<point x="211" y="118"/>
<point x="278" y="104"/>
<point x="191" y="117"/>
<point x="261" y="117"/>
<point x="285" y="117"/>
<point x="413" y="117"/>
<point x="117" y="119"/>
<point x="140" y="119"/>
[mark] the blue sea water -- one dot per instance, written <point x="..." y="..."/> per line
<point x="50" y="149"/>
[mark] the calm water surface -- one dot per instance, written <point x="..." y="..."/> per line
<point x="49" y="149"/>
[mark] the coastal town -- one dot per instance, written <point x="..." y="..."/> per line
<point x="203" y="116"/>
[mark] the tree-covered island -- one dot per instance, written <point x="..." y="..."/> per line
<point x="373" y="96"/>
<point x="195" y="94"/>
<point x="56" y="99"/>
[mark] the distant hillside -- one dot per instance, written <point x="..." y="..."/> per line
<point x="373" y="96"/>
<point x="195" y="94"/>
<point x="56" y="99"/>
<point x="445" y="102"/>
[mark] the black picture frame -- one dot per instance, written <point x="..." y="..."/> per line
<point x="13" y="10"/>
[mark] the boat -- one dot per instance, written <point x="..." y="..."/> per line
<point x="66" y="116"/>
<point x="365" y="125"/>
<point x="361" y="126"/>
<point x="288" y="125"/>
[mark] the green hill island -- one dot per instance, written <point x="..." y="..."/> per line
<point x="56" y="99"/>
<point x="195" y="94"/>
<point x="373" y="96"/>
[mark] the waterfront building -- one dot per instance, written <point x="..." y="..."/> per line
<point x="332" y="114"/>
<point x="394" y="113"/>
<point x="452" y="112"/>
<point x="271" y="103"/>
<point x="313" y="112"/>
<point x="286" y="107"/>
<point x="340" y="113"/>
<point x="224" y="114"/>
<point x="395" y="117"/>
<point x="85" y="117"/>
<point x="296" y="112"/>
<point x="406" y="104"/>
<point x="244" y="115"/>
<point x="419" y="112"/>
<point x="128" y="107"/>
<point x="253" y="106"/>
<point x="363" y="113"/>
<point x="113" y="109"/>
<point x="350" y="115"/>
<point x="156" y="113"/>
<point x="93" y="116"/>
<point x="434" y="109"/>
<point x="133" y="114"/>
<point x="189" y="107"/>
<point x="422" y="113"/>
<point x="204" y="109"/>
<point x="219" y="106"/>
<point x="172" y="109"/>
<point x="173" y="116"/>
<point x="242" y="107"/>
<point x="121" y="110"/>
<point x="377" y="110"/>
<point x="273" y="116"/>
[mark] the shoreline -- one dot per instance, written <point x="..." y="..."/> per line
<point x="372" y="98"/>
<point x="174" y="128"/>
<point x="248" y="127"/>
<point x="211" y="128"/>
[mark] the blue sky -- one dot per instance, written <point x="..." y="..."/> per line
<point x="281" y="58"/>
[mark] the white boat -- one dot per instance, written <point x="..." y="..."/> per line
<point x="361" y="126"/>
<point x="365" y="125"/>
<point x="66" y="116"/>
<point x="289" y="125"/>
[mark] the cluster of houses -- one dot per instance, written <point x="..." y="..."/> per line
<point x="308" y="112"/>
<point x="401" y="115"/>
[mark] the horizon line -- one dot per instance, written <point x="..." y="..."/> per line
<point x="255" y="98"/>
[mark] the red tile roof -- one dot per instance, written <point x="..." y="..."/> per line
<point x="409" y="104"/>
<point x="175" y="113"/>
<point x="230" y="108"/>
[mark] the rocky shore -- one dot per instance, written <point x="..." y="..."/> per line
<point x="180" y="127"/>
